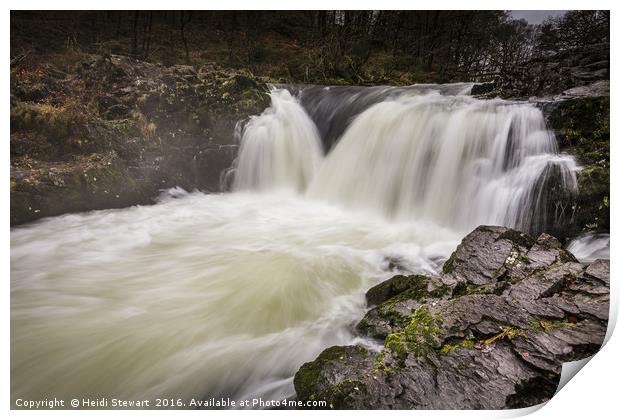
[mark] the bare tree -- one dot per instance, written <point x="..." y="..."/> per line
<point x="186" y="17"/>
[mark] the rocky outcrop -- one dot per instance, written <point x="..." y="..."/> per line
<point x="572" y="89"/>
<point x="580" y="120"/>
<point x="552" y="74"/>
<point x="490" y="332"/>
<point x="482" y="88"/>
<point x="579" y="117"/>
<point x="110" y="131"/>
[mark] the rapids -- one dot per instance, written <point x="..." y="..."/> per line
<point x="199" y="296"/>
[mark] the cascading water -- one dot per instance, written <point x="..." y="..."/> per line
<point x="590" y="246"/>
<point x="417" y="154"/>
<point x="226" y="295"/>
<point x="279" y="149"/>
<point x="332" y="108"/>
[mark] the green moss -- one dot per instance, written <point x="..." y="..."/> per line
<point x="540" y="325"/>
<point x="421" y="331"/>
<point x="380" y="363"/>
<point x="466" y="344"/>
<point x="387" y="311"/>
<point x="447" y="348"/>
<point x="399" y="288"/>
<point x="593" y="200"/>
<point x="379" y="360"/>
<point x="508" y="333"/>
<point x="307" y="376"/>
<point x="418" y="338"/>
<point x="535" y="325"/>
<point x="417" y="291"/>
<point x="395" y="342"/>
<point x="448" y="266"/>
<point x="582" y="129"/>
<point x="524" y="259"/>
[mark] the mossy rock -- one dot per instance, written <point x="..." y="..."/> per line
<point x="582" y="128"/>
<point x="393" y="314"/>
<point x="313" y="381"/>
<point x="395" y="286"/>
<point x="592" y="210"/>
<point x="448" y="265"/>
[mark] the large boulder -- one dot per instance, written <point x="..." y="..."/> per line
<point x="511" y="310"/>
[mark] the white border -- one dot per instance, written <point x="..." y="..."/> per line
<point x="592" y="394"/>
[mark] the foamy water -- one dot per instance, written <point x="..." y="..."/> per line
<point x="198" y="296"/>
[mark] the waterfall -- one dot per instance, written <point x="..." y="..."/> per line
<point x="427" y="152"/>
<point x="280" y="148"/>
<point x="332" y="108"/>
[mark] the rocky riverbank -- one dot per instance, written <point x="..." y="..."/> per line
<point x="490" y="332"/>
<point x="105" y="131"/>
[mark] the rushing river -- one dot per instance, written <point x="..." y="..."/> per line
<point x="226" y="295"/>
<point x="202" y="295"/>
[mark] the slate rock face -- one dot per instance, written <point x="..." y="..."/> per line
<point x="491" y="332"/>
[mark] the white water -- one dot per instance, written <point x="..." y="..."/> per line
<point x="457" y="161"/>
<point x="227" y="295"/>
<point x="453" y="160"/>
<point x="590" y="247"/>
<point x="279" y="149"/>
<point x="196" y="297"/>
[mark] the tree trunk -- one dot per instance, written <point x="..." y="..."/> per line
<point x="134" y="44"/>
<point x="185" y="18"/>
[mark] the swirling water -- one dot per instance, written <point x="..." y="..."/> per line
<point x="198" y="296"/>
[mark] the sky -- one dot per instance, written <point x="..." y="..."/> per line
<point x="535" y="16"/>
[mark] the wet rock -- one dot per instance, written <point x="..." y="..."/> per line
<point x="95" y="181"/>
<point x="485" y="255"/>
<point x="392" y="287"/>
<point x="598" y="88"/>
<point x="313" y="380"/>
<point x="396" y="300"/>
<point x="516" y="309"/>
<point x="581" y="125"/>
<point x="599" y="270"/>
<point x="482" y="88"/>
